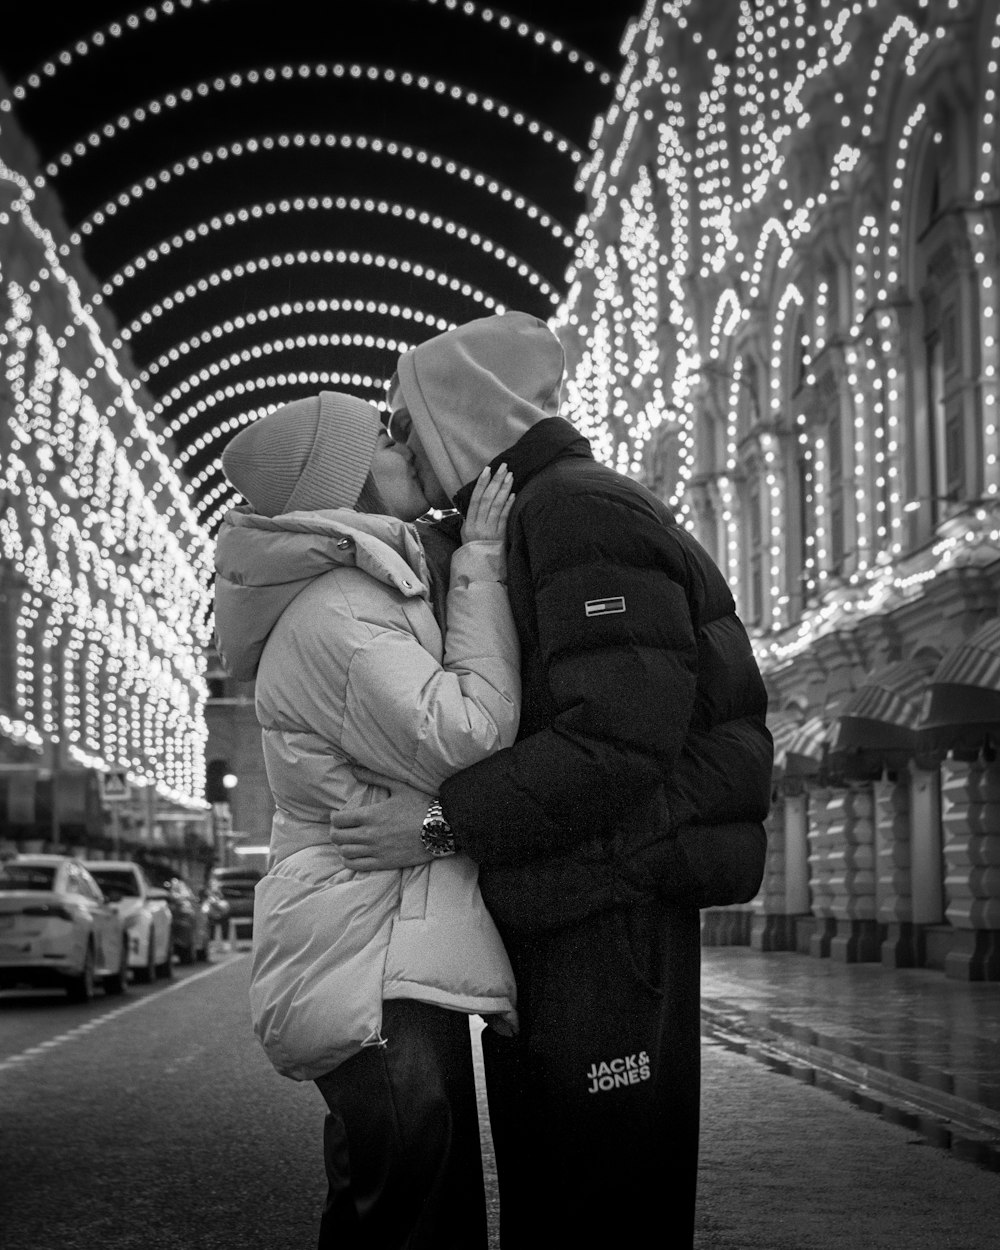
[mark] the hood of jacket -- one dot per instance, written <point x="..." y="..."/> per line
<point x="263" y="563"/>
<point x="472" y="392"/>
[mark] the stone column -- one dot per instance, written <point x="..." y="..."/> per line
<point x="926" y="881"/>
<point x="823" y="810"/>
<point x="785" y="893"/>
<point x="852" y="879"/>
<point x="893" y="893"/>
<point x="768" y="920"/>
<point x="971" y="827"/>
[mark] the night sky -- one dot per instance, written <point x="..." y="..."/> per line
<point x="354" y="260"/>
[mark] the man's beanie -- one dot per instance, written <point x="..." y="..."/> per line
<point x="307" y="455"/>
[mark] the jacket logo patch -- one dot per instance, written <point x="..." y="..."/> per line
<point x="615" y="1073"/>
<point x="602" y="607"/>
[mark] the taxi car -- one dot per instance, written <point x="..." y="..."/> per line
<point x="144" y="911"/>
<point x="58" y="929"/>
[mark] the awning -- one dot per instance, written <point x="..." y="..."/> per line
<point x="876" y="728"/>
<point x="807" y="748"/>
<point x="784" y="725"/>
<point x="962" y="706"/>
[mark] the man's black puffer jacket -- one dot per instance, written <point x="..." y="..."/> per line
<point x="643" y="763"/>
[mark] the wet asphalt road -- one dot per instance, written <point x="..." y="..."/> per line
<point x="155" y="1123"/>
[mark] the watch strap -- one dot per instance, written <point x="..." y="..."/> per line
<point x="435" y="832"/>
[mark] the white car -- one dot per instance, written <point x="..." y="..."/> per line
<point x="144" y="911"/>
<point x="57" y="928"/>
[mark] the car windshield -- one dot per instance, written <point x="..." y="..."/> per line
<point x="26" y="877"/>
<point x="119" y="879"/>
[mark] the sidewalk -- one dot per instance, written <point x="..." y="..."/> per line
<point x="909" y="1044"/>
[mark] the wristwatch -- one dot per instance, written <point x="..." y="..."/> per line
<point x="435" y="832"/>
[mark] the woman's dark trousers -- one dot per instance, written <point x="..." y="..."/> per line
<point x="401" y="1139"/>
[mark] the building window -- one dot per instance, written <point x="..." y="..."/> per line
<point x="755" y="554"/>
<point x="946" y="418"/>
<point x="806" y="530"/>
<point x="835" y="461"/>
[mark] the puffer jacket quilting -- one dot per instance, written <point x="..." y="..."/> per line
<point x="643" y="708"/>
<point x="330" y="613"/>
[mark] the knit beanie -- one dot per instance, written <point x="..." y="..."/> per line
<point x="308" y="455"/>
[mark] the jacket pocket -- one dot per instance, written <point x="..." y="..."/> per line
<point x="414" y="889"/>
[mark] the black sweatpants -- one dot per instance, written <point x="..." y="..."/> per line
<point x="401" y="1139"/>
<point x="594" y="1107"/>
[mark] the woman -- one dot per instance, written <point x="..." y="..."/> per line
<point x="363" y="982"/>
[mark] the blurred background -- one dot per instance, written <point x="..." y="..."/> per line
<point x="767" y="237"/>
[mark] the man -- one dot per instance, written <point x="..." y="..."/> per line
<point x="633" y="795"/>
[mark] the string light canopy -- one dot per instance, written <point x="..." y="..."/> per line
<point x="223" y="207"/>
<point x="285" y="197"/>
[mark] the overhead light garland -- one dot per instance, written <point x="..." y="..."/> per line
<point x="260" y="350"/>
<point x="303" y="72"/>
<point x="141" y="265"/>
<point x="122" y="27"/>
<point x="310" y="257"/>
<point x="277" y="312"/>
<point x="319" y="140"/>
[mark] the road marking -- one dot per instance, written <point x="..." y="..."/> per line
<point x="15" y="1061"/>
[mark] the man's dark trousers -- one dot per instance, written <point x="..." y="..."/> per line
<point x="595" y="1106"/>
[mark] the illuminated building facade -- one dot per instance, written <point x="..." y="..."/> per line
<point x="783" y="317"/>
<point x="104" y="571"/>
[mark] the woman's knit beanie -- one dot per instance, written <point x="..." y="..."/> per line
<point x="308" y="455"/>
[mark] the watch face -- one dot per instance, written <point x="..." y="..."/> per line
<point x="437" y="838"/>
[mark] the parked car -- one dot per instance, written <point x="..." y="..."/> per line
<point x="191" y="915"/>
<point x="145" y="913"/>
<point x="58" y="928"/>
<point x="236" y="885"/>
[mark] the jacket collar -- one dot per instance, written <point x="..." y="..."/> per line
<point x="548" y="440"/>
<point x="263" y="563"/>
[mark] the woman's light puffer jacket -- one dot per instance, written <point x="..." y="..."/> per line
<point x="330" y="613"/>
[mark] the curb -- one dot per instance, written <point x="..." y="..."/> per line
<point x="967" y="1130"/>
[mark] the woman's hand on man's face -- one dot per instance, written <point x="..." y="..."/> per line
<point x="489" y="507"/>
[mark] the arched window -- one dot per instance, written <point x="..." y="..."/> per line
<point x="800" y="536"/>
<point x="749" y="398"/>
<point x="755" y="553"/>
<point x="944" y="352"/>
